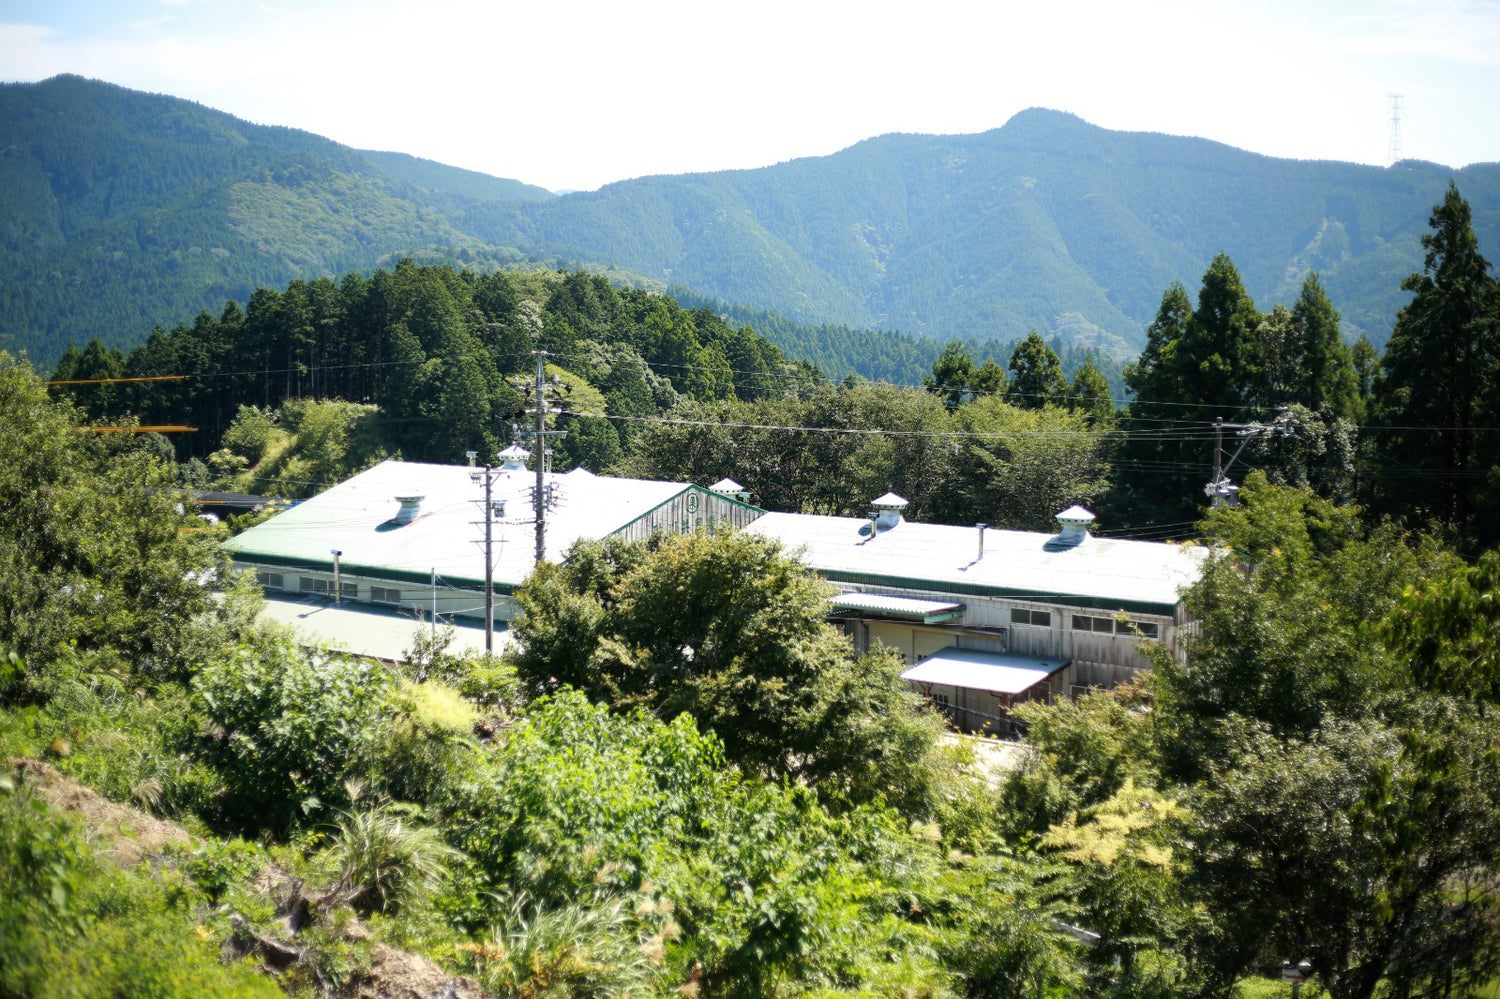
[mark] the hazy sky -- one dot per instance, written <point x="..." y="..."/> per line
<point x="575" y="95"/>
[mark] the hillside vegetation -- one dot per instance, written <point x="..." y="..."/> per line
<point x="713" y="797"/>
<point x="118" y="208"/>
<point x="681" y="780"/>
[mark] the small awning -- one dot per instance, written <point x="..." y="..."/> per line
<point x="998" y="674"/>
<point x="905" y="608"/>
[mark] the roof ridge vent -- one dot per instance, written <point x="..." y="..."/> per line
<point x="514" y="458"/>
<point x="1073" y="529"/>
<point x="728" y="487"/>
<point x="885" y="512"/>
<point x="411" y="506"/>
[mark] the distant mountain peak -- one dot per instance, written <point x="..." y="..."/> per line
<point x="123" y="210"/>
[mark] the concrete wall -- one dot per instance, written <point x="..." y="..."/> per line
<point x="392" y="595"/>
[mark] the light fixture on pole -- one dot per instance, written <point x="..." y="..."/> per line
<point x="336" y="588"/>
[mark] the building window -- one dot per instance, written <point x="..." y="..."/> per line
<point x="385" y="595"/>
<point x="1035" y="618"/>
<point x="1103" y="625"/>
<point x="311" y="584"/>
<point x="270" y="580"/>
<point x="1115" y="626"/>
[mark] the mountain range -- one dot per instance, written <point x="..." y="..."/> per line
<point x="120" y="210"/>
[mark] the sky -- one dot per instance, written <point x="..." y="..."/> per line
<point x="571" y="96"/>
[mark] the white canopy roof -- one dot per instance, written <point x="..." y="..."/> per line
<point x="999" y="674"/>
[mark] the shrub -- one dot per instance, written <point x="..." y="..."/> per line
<point x="287" y="729"/>
<point x="385" y="861"/>
<point x="428" y="728"/>
<point x="581" y="949"/>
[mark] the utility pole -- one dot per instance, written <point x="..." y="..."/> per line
<point x="1220" y="490"/>
<point x="540" y="499"/>
<point x="489" y="562"/>
<point x="541" y="433"/>
<point x="488" y="472"/>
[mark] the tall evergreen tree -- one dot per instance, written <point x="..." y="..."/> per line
<point x="1438" y="377"/>
<point x="1199" y="365"/>
<point x="1278" y="344"/>
<point x="1090" y="392"/>
<point x="1037" y="374"/>
<point x="1153" y="376"/>
<point x="1217" y="358"/>
<point x="1328" y="378"/>
<point x="952" y="375"/>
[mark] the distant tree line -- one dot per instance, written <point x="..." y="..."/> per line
<point x="439" y="350"/>
<point x="442" y="355"/>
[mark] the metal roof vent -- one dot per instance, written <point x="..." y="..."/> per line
<point x="411" y="506"/>
<point x="1073" y="529"/>
<point x="886" y="511"/>
<point x="728" y="487"/>
<point x="514" y="458"/>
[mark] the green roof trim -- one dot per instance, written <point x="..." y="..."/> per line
<point x="347" y="568"/>
<point x="980" y="590"/>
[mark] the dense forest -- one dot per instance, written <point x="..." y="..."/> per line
<point x="122" y="209"/>
<point x="304" y="386"/>
<point x="428" y="362"/>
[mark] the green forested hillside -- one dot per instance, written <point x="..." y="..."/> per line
<point x="120" y="210"/>
<point x="1042" y="223"/>
<point x="682" y="781"/>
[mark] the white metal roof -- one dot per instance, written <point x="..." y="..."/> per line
<point x="882" y="603"/>
<point x="999" y="674"/>
<point x="1140" y="576"/>
<point x="365" y="631"/>
<point x="447" y="533"/>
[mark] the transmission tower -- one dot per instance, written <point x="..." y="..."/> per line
<point x="1393" y="154"/>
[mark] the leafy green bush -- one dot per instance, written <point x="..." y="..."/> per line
<point x="215" y="865"/>
<point x="428" y="726"/>
<point x="286" y="729"/>
<point x="582" y="949"/>
<point x="764" y="885"/>
<point x="252" y="433"/>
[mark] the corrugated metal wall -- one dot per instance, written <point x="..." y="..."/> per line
<point x="689" y="511"/>
<point x="1056" y="640"/>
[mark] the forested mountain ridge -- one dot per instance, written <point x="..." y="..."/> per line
<point x="1047" y="222"/>
<point x="121" y="210"/>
